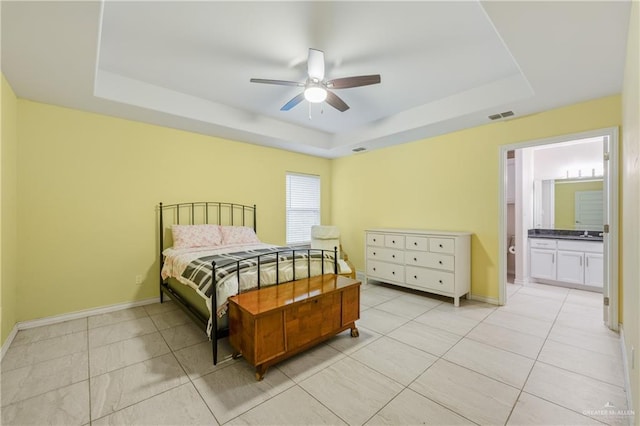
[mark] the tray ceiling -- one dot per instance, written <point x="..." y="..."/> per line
<point x="444" y="66"/>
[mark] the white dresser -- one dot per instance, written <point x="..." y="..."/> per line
<point x="433" y="261"/>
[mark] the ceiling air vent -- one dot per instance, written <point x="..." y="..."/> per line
<point x="359" y="149"/>
<point x="501" y="115"/>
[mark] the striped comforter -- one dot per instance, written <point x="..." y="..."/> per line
<point x="239" y="267"/>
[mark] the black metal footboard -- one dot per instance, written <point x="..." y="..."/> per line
<point x="320" y="254"/>
<point x="220" y="213"/>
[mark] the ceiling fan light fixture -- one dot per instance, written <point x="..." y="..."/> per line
<point x="315" y="87"/>
<point x="315" y="94"/>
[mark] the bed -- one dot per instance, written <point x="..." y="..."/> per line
<point x="210" y="251"/>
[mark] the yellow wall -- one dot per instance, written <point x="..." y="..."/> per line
<point x="88" y="188"/>
<point x="89" y="184"/>
<point x="448" y="182"/>
<point x="565" y="201"/>
<point x="630" y="183"/>
<point x="8" y="211"/>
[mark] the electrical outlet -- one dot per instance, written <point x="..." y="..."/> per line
<point x="138" y="279"/>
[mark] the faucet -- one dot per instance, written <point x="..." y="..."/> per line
<point x="586" y="233"/>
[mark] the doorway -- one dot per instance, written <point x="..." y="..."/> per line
<point x="524" y="208"/>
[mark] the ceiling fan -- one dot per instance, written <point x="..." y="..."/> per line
<point x="316" y="89"/>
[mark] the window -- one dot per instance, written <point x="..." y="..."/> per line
<point x="303" y="206"/>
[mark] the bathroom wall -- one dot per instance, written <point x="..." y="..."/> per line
<point x="558" y="161"/>
<point x="511" y="215"/>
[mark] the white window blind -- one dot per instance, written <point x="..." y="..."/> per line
<point x="303" y="206"/>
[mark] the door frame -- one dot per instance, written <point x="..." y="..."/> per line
<point x="611" y="249"/>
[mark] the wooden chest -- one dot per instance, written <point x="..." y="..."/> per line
<point x="276" y="322"/>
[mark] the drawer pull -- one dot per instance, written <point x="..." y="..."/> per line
<point x="415" y="259"/>
<point x="393" y="241"/>
<point x="374" y="269"/>
<point x="374" y="253"/>
<point x="440" y="245"/>
<point x="393" y="272"/>
<point x="440" y="262"/>
<point x="440" y="281"/>
<point x="415" y="243"/>
<point x="393" y="256"/>
<point x="415" y="277"/>
<point x="374" y="240"/>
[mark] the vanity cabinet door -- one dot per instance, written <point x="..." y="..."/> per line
<point x="570" y="267"/>
<point x="593" y="269"/>
<point x="543" y="263"/>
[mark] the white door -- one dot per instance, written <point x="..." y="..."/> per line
<point x="609" y="249"/>
<point x="571" y="267"/>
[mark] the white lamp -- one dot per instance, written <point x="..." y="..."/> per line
<point x="315" y="94"/>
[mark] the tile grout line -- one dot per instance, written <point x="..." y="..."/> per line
<point x="140" y="362"/>
<point x="524" y="384"/>
<point x="407" y="387"/>
<point x="564" y="301"/>
<point x="348" y="355"/>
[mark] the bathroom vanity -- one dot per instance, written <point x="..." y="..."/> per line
<point x="567" y="258"/>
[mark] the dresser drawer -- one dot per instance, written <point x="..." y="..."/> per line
<point x="430" y="260"/>
<point x="442" y="245"/>
<point x="426" y="260"/>
<point x="375" y="240"/>
<point x="430" y="279"/>
<point x="394" y="241"/>
<point x="385" y="271"/>
<point x="417" y="243"/>
<point x="385" y="254"/>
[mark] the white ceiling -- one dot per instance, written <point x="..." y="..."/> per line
<point x="564" y="160"/>
<point x="444" y="66"/>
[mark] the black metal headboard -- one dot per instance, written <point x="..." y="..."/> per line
<point x="203" y="212"/>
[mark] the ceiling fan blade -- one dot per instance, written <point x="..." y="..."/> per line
<point x="315" y="64"/>
<point x="278" y="82"/>
<point x="336" y="102"/>
<point x="293" y="102"/>
<point x="347" y="82"/>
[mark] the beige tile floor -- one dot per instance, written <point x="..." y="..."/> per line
<point x="545" y="358"/>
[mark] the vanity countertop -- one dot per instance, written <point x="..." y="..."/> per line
<point x="562" y="234"/>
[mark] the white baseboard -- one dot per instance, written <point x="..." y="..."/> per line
<point x="23" y="325"/>
<point x="520" y="281"/>
<point x="7" y="343"/>
<point x="360" y="276"/>
<point x="485" y="299"/>
<point x="625" y="366"/>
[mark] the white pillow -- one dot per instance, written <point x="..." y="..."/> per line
<point x="185" y="236"/>
<point x="238" y="235"/>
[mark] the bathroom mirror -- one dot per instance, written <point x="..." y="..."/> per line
<point x="568" y="204"/>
